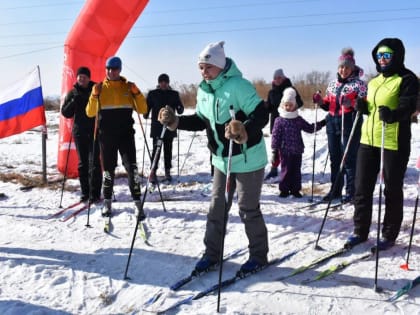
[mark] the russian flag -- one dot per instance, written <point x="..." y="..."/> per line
<point x="22" y="106"/>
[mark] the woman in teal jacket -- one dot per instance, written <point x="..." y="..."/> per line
<point x="223" y="86"/>
<point x="391" y="99"/>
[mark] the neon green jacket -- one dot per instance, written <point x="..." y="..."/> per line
<point x="395" y="87"/>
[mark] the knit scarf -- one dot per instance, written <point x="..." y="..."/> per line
<point x="288" y="115"/>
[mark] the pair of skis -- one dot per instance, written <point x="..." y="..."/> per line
<point x="77" y="208"/>
<point x="163" y="302"/>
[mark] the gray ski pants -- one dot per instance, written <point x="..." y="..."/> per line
<point x="248" y="187"/>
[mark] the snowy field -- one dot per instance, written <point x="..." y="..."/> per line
<point x="52" y="267"/>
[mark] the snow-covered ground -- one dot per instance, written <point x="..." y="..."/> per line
<point x="52" y="267"/>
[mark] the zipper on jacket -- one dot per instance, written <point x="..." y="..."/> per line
<point x="217" y="110"/>
<point x="376" y="111"/>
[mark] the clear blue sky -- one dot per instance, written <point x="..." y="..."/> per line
<point x="261" y="36"/>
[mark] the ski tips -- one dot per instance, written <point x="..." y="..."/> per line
<point x="405" y="267"/>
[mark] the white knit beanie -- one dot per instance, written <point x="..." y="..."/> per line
<point x="289" y="95"/>
<point x="213" y="54"/>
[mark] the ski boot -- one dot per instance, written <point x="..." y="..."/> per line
<point x="139" y="210"/>
<point x="106" y="209"/>
<point x="168" y="176"/>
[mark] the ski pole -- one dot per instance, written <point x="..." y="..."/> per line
<point x="313" y="157"/>
<point x="227" y="192"/>
<point x="405" y="266"/>
<point x="325" y="164"/>
<point x="67" y="164"/>
<point x="338" y="178"/>
<point x="144" y="151"/>
<point x="381" y="183"/>
<point x="150" y="156"/>
<point x="188" y="151"/>
<point x="178" y="153"/>
<point x="154" y="163"/>
<point x="95" y="130"/>
<point x="342" y="135"/>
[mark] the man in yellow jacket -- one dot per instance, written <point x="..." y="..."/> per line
<point x="112" y="102"/>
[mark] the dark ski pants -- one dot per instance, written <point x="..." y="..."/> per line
<point x="111" y="144"/>
<point x="290" y="174"/>
<point x="248" y="187"/>
<point x="89" y="166"/>
<point x="336" y="150"/>
<point x="167" y="151"/>
<point x="368" y="163"/>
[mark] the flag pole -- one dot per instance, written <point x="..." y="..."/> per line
<point x="44" y="136"/>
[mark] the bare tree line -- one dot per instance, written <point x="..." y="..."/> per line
<point x="307" y="84"/>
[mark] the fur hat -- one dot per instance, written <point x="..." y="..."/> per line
<point x="213" y="54"/>
<point x="347" y="58"/>
<point x="278" y="73"/>
<point x="289" y="96"/>
<point x="84" y="70"/>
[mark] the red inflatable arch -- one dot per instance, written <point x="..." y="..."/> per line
<point x="96" y="35"/>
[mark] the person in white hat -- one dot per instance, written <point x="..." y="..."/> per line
<point x="279" y="84"/>
<point x="287" y="137"/>
<point x="223" y="87"/>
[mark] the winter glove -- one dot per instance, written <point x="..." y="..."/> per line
<point x="133" y="88"/>
<point x="97" y="89"/>
<point x="180" y="109"/>
<point x="322" y="123"/>
<point x="386" y="114"/>
<point x="236" y="131"/>
<point x="361" y="106"/>
<point x="275" y="156"/>
<point x="167" y="117"/>
<point x="317" y="98"/>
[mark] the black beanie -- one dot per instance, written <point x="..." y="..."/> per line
<point x="84" y="70"/>
<point x="163" y="77"/>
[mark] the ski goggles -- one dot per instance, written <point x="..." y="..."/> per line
<point x="385" y="55"/>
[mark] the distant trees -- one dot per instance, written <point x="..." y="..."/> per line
<point x="307" y="84"/>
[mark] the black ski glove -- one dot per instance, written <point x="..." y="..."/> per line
<point x="386" y="114"/>
<point x="180" y="109"/>
<point x="362" y="106"/>
<point x="322" y="123"/>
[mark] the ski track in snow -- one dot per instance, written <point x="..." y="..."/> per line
<point x="53" y="267"/>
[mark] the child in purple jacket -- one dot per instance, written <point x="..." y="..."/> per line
<point x="287" y="139"/>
